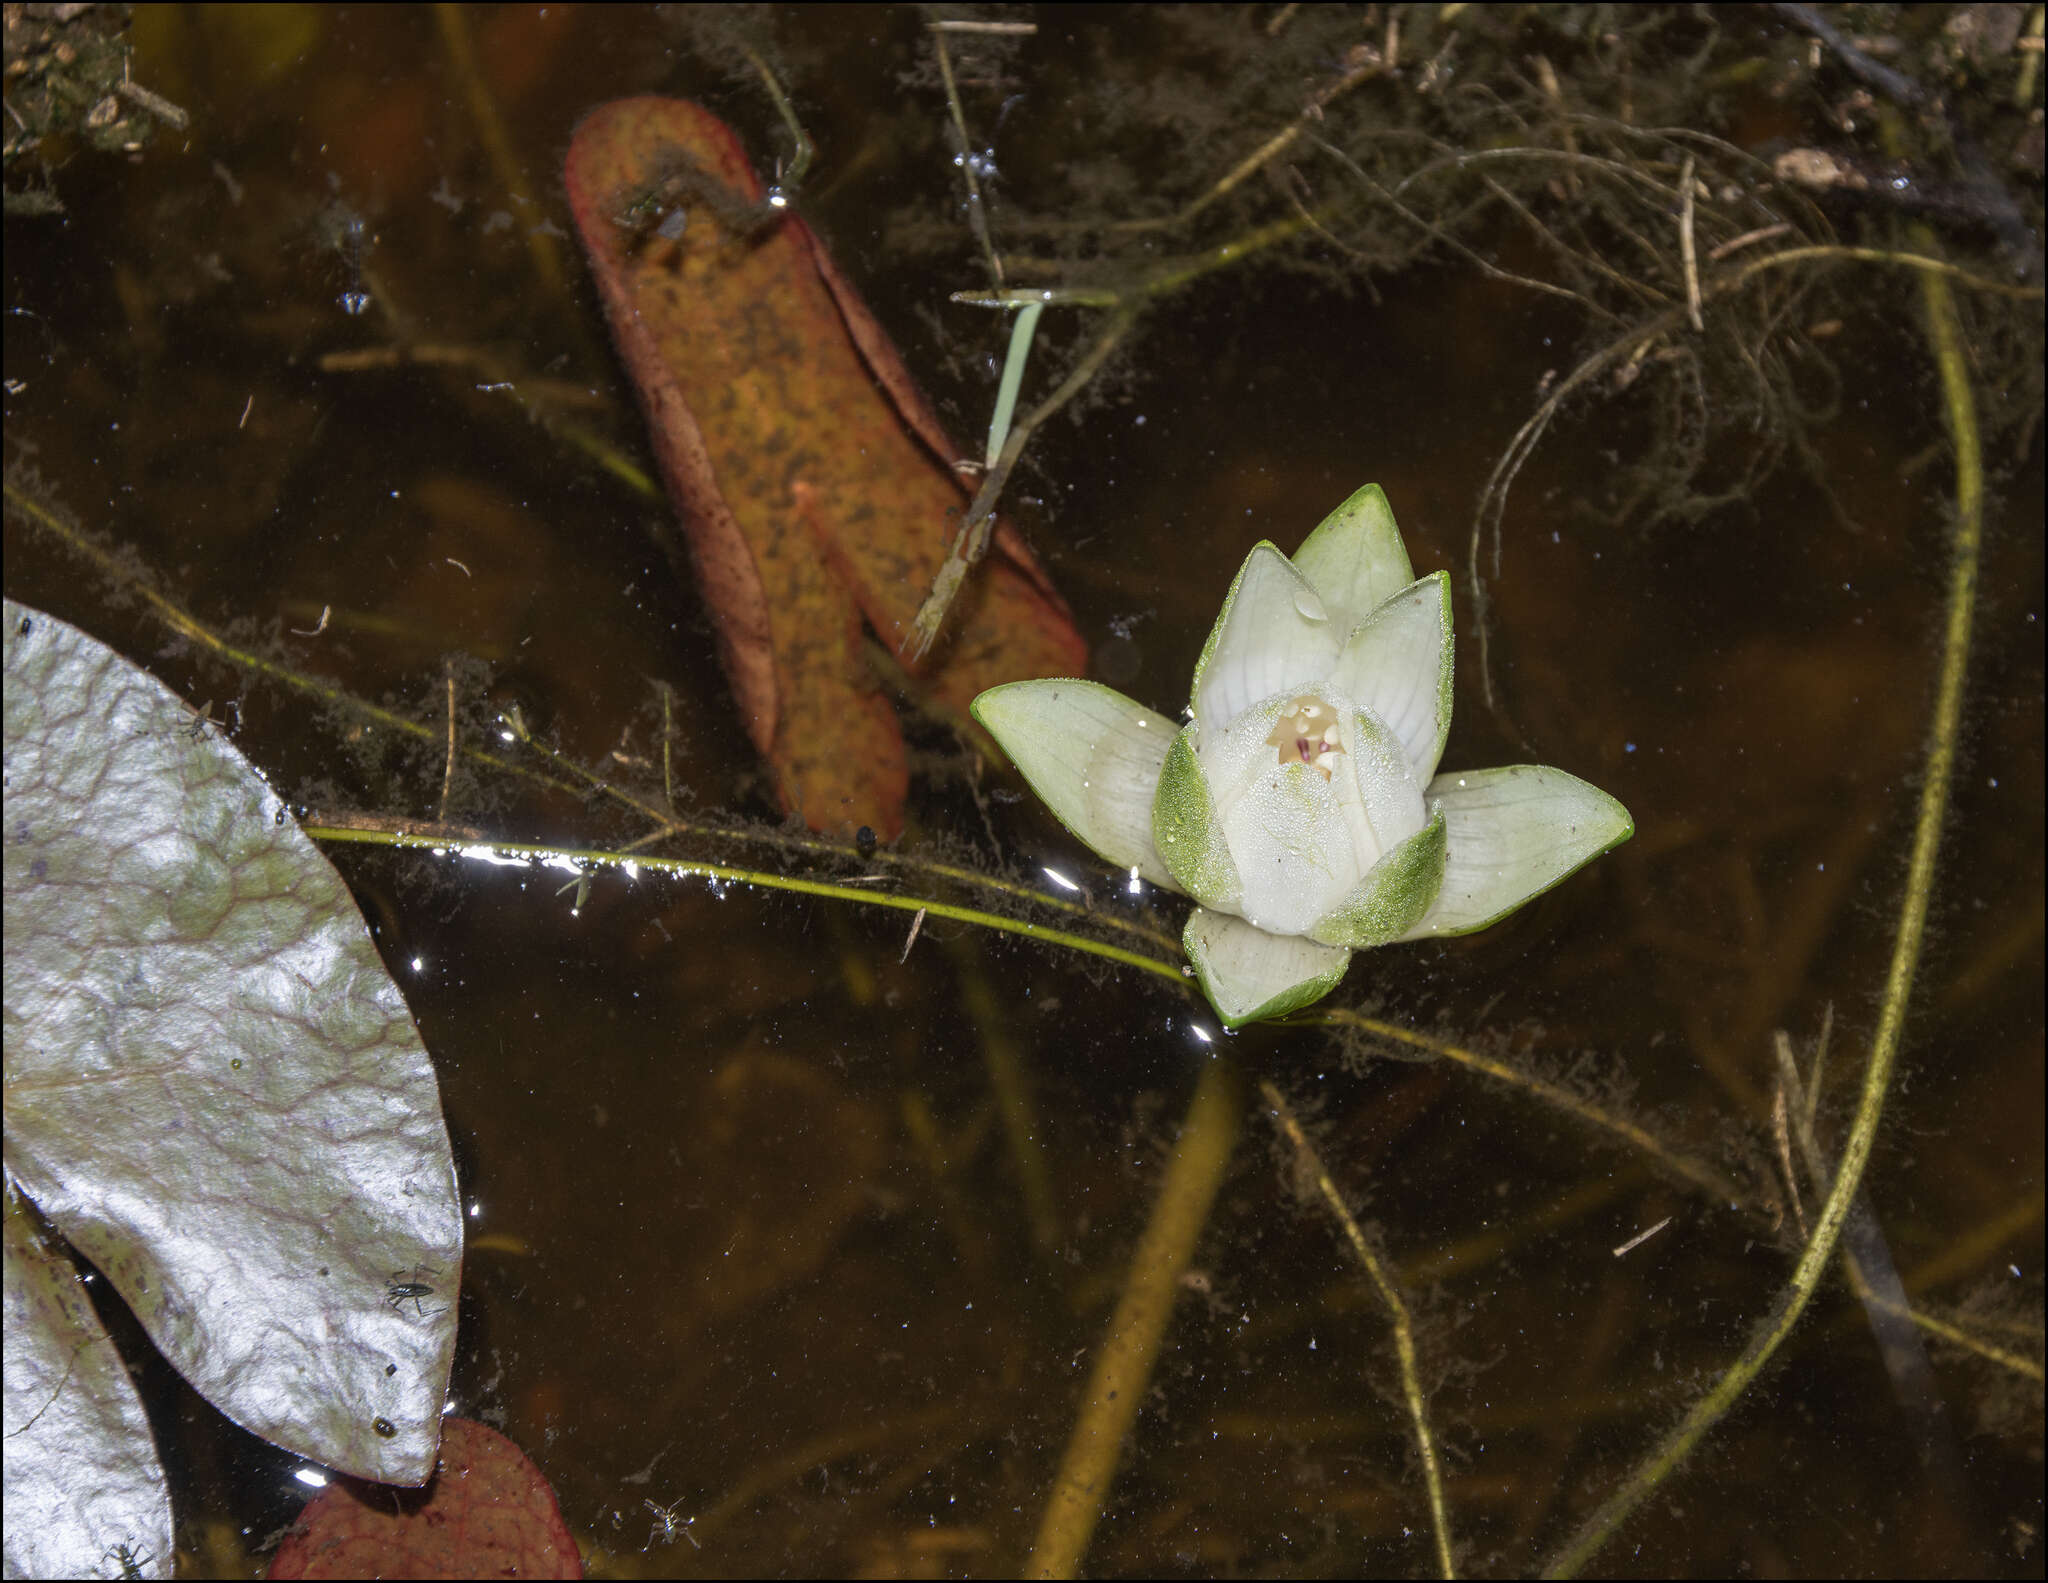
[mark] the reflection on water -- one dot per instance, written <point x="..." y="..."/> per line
<point x="758" y="1240"/>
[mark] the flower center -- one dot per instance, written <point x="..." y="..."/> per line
<point x="1306" y="733"/>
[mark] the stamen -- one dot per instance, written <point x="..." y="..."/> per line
<point x="1307" y="733"/>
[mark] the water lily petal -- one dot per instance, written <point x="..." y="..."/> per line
<point x="1186" y="832"/>
<point x="1395" y="894"/>
<point x="1248" y="974"/>
<point x="1397" y="663"/>
<point x="1274" y="634"/>
<point x="1355" y="558"/>
<point x="1093" y="756"/>
<point x="1289" y="837"/>
<point x="1388" y="798"/>
<point x="1514" y="833"/>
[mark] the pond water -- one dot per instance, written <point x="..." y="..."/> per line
<point x="750" y="1241"/>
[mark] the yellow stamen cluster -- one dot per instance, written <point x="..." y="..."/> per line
<point x="1306" y="733"/>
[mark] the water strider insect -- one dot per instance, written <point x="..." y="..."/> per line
<point x="666" y="1526"/>
<point x="407" y="1287"/>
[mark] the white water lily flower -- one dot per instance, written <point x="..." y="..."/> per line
<point x="1300" y="805"/>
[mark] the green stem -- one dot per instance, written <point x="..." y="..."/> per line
<point x="1946" y="336"/>
<point x="725" y="873"/>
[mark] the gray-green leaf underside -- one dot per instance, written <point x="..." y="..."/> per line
<point x="213" y="1088"/>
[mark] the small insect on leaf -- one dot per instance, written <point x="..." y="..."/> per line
<point x="406" y="1286"/>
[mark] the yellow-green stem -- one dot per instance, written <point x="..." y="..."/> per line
<point x="1945" y="334"/>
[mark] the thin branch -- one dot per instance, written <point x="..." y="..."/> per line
<point x="448" y="750"/>
<point x="1688" y="250"/>
<point x="977" y="213"/>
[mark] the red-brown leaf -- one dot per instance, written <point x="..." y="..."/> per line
<point x="487" y="1512"/>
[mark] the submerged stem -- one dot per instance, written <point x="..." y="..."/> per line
<point x="1945" y="334"/>
<point x="1123" y="1368"/>
<point x="1397" y="1314"/>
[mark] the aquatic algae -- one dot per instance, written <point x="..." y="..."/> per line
<point x="815" y="484"/>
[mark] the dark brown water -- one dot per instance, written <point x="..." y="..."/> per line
<point x="748" y="1237"/>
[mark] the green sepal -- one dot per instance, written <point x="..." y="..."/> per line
<point x="1395" y="894"/>
<point x="1093" y="757"/>
<point x="1514" y="833"/>
<point x="1186" y="832"/>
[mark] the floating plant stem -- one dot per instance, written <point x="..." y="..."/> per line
<point x="764" y="879"/>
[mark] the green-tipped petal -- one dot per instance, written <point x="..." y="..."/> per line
<point x="1274" y="634"/>
<point x="1249" y="974"/>
<point x="1186" y="833"/>
<point x="1514" y="833"/>
<point x="1397" y="663"/>
<point x="1355" y="558"/>
<point x="1395" y="894"/>
<point x="1093" y="756"/>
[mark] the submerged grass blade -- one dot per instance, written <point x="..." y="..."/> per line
<point x="1013" y="377"/>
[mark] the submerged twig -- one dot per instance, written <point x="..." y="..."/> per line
<point x="1493" y="498"/>
<point x="977" y="211"/>
<point x="1688" y="248"/>
<point x="1397" y="1314"/>
<point x="448" y="748"/>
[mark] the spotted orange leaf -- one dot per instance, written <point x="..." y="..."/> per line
<point x="815" y="485"/>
